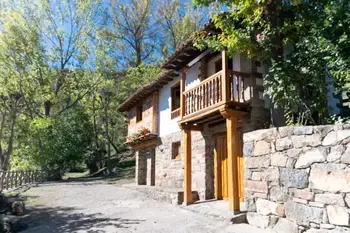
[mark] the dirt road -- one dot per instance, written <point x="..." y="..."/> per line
<point x="96" y="206"/>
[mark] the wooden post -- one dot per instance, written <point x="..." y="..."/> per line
<point x="182" y="89"/>
<point x="233" y="151"/>
<point x="188" y="167"/>
<point x="225" y="77"/>
<point x="155" y="113"/>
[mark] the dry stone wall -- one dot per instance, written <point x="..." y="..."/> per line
<point x="297" y="179"/>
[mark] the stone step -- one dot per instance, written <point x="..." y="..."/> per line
<point x="172" y="196"/>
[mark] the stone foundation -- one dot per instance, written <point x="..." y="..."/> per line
<point x="297" y="179"/>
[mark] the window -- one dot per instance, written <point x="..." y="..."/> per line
<point x="218" y="65"/>
<point x="139" y="112"/>
<point x="175" y="146"/>
<point x="175" y="97"/>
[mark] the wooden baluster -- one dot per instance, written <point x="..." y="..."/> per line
<point x="237" y="87"/>
<point x="242" y="87"/>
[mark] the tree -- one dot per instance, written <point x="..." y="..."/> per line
<point x="132" y="30"/>
<point x="317" y="33"/>
<point x="178" y="21"/>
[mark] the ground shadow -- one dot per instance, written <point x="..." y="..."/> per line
<point x="62" y="219"/>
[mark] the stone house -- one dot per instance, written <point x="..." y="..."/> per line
<point x="187" y="126"/>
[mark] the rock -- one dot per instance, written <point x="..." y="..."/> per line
<point x="330" y="177"/>
<point x="302" y="214"/>
<point x="303" y="194"/>
<point x="285" y="131"/>
<point x="306" y="140"/>
<point x="248" y="149"/>
<point x="239" y="219"/>
<point x="335" y="153"/>
<point x="283" y="144"/>
<point x="293" y="153"/>
<point x="347" y="199"/>
<point x="258" y="220"/>
<point x="271" y="174"/>
<point x="285" y="226"/>
<point x="256" y="186"/>
<point x="346" y="156"/>
<point x="257" y="162"/>
<point x="327" y="226"/>
<point x="265" y="207"/>
<point x="323" y="130"/>
<point x="299" y="200"/>
<point x="261" y="148"/>
<point x="263" y="134"/>
<point x="330" y="199"/>
<point x="302" y="130"/>
<point x="18" y="207"/>
<point x="256" y="175"/>
<point x="314" y="225"/>
<point x="294" y="178"/>
<point x="325" y="217"/>
<point x="279" y="194"/>
<point x="312" y="230"/>
<point x="335" y="137"/>
<point x="338" y="215"/>
<point x="279" y="159"/>
<point x="310" y="157"/>
<point x="316" y="204"/>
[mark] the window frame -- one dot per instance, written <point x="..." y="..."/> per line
<point x="176" y="85"/>
<point x="175" y="150"/>
<point x="139" y="112"/>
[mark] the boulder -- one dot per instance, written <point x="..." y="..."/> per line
<point x="310" y="157"/>
<point x="294" y="178"/>
<point x="285" y="226"/>
<point x="338" y="215"/>
<point x="265" y="207"/>
<point x="330" y="177"/>
<point x="279" y="159"/>
<point x="258" y="220"/>
<point x="330" y="199"/>
<point x="302" y="214"/>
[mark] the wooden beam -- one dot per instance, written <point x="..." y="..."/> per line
<point x="182" y="89"/>
<point x="233" y="151"/>
<point x="188" y="167"/>
<point x="227" y="112"/>
<point x="194" y="61"/>
<point x="191" y="127"/>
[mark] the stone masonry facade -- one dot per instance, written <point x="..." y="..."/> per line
<point x="297" y="179"/>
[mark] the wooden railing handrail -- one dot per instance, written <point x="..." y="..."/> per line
<point x="204" y="82"/>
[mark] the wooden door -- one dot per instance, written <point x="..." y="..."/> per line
<point x="221" y="166"/>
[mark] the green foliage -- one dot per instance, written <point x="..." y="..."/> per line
<point x="316" y="35"/>
<point x="65" y="140"/>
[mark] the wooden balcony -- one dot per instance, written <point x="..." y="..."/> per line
<point x="215" y="91"/>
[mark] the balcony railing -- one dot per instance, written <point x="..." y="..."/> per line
<point x="209" y="93"/>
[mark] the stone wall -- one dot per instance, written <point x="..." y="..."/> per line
<point x="297" y="179"/>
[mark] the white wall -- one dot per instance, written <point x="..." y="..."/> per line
<point x="192" y="79"/>
<point x="166" y="124"/>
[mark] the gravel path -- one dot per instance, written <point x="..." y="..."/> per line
<point x="96" y="206"/>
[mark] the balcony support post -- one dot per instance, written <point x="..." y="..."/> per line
<point x="188" y="166"/>
<point x="225" y="77"/>
<point x="182" y="89"/>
